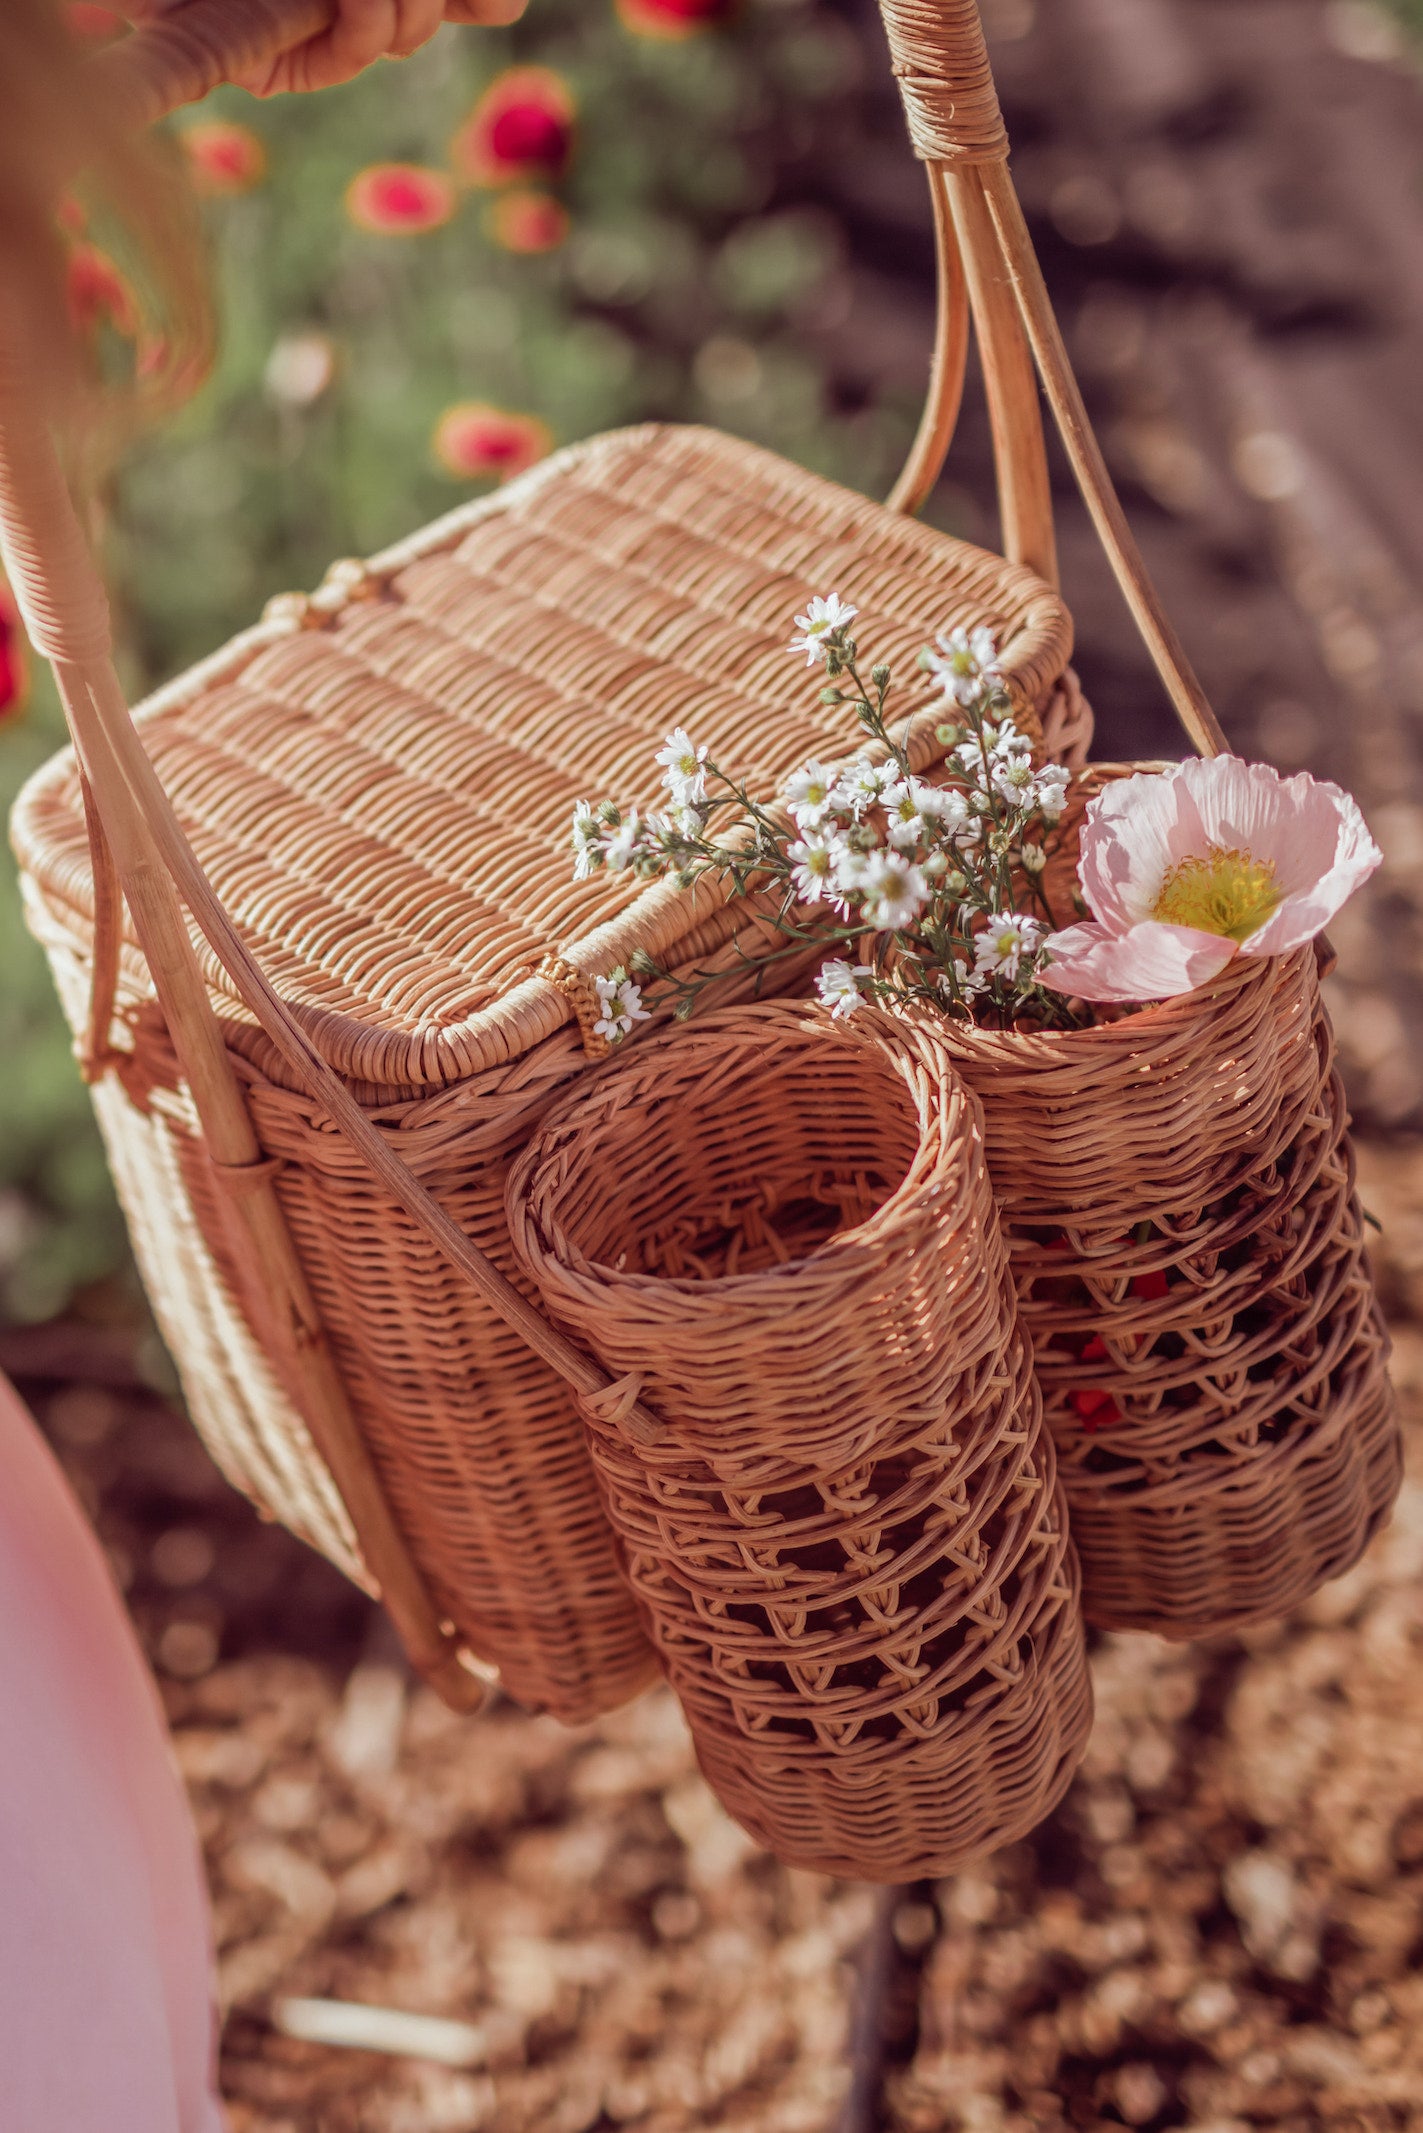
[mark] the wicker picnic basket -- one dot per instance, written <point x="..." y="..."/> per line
<point x="846" y="1535"/>
<point x="312" y="922"/>
<point x="1177" y="1192"/>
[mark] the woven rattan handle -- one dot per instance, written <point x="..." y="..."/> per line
<point x="941" y="61"/>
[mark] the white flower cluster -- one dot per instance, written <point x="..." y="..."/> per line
<point x="924" y="874"/>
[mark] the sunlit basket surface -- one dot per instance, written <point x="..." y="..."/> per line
<point x="379" y="781"/>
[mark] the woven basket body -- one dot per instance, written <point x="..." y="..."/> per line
<point x="847" y="1539"/>
<point x="1177" y="1192"/>
<point x="379" y="782"/>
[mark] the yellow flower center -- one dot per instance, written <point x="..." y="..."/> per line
<point x="1226" y="892"/>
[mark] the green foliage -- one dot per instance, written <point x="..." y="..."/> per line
<point x="695" y="275"/>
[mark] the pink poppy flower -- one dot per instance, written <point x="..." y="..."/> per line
<point x="521" y="128"/>
<point x="674" y="19"/>
<point x="1186" y="868"/>
<point x="400" y="199"/>
<point x="528" y="222"/>
<point x="474" y="440"/>
<point x="225" y="158"/>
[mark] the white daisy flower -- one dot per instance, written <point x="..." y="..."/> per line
<point x="820" y="620"/>
<point x="1013" y="780"/>
<point x="905" y="825"/>
<point x="894" y="891"/>
<point x="970" y="983"/>
<point x="964" y="662"/>
<point x="1051" y="789"/>
<point x="862" y="782"/>
<point x="813" y="866"/>
<point x="1004" y="944"/>
<point x="621" y="1001"/>
<point x="587" y="841"/>
<point x="683" y="762"/>
<point x="838" y="984"/>
<point x="620" y="845"/>
<point x="944" y="807"/>
<point x="812" y="794"/>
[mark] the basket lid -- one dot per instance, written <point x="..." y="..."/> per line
<point x="379" y="781"/>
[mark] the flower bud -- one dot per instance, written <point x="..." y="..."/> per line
<point x="832" y="696"/>
<point x="1034" y="858"/>
<point x="880" y="677"/>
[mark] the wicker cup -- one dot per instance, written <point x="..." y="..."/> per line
<point x="846" y="1539"/>
<point x="1177" y="1194"/>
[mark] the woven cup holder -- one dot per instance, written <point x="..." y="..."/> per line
<point x="846" y="1538"/>
<point x="1177" y="1195"/>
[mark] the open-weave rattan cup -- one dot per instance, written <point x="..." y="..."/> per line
<point x="1177" y="1193"/>
<point x="847" y="1539"/>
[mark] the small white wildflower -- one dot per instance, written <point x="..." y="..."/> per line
<point x="849" y="876"/>
<point x="684" y="772"/>
<point x="894" y="891"/>
<point x="587" y="841"/>
<point x="820" y="620"/>
<point x="969" y="983"/>
<point x="1005" y="741"/>
<point x="621" y="845"/>
<point x="812" y="794"/>
<point x="838" y="984"/>
<point x="621" y="1002"/>
<point x="813" y="866"/>
<point x="965" y="663"/>
<point x="905" y="825"/>
<point x="1005" y="943"/>
<point x="1013" y="780"/>
<point x="1034" y="858"/>
<point x="1051" y="789"/>
<point x="862" y="782"/>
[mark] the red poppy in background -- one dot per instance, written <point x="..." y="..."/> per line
<point x="400" y="199"/>
<point x="14" y="665"/>
<point x="527" y="221"/>
<point x="91" y="22"/>
<point x="674" y="18"/>
<point x="224" y="157"/>
<point x="521" y="128"/>
<point x="98" y="293"/>
<point x="474" y="440"/>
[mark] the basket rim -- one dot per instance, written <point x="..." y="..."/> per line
<point x="915" y="1201"/>
<point x="532" y="1008"/>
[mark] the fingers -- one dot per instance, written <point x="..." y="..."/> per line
<point x="419" y="20"/>
<point x="362" y="32"/>
<point x="485" y="13"/>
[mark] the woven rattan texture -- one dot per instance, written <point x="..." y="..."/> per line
<point x="1177" y="1193"/>
<point x="380" y="782"/>
<point x="381" y="789"/>
<point x="849" y="1543"/>
<point x="941" y="63"/>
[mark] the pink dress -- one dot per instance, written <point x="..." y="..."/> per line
<point x="106" y="1985"/>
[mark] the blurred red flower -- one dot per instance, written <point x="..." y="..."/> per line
<point x="527" y="221"/>
<point x="14" y="666"/>
<point x="400" y="199"/>
<point x="473" y="439"/>
<point x="225" y="157"/>
<point x="521" y="128"/>
<point x="98" y="292"/>
<point x="674" y="18"/>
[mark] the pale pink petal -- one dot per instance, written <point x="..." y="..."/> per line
<point x="1302" y="826"/>
<point x="1131" y="834"/>
<point x="1148" y="962"/>
<point x="1308" y="911"/>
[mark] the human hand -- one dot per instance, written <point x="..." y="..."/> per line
<point x="360" y="32"/>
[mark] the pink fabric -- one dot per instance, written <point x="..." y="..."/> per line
<point x="106" y="2007"/>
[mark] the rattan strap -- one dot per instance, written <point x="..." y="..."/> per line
<point x="941" y="64"/>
